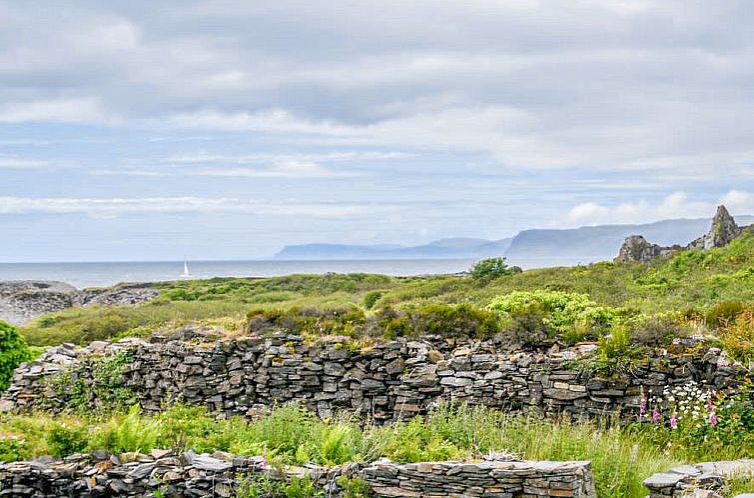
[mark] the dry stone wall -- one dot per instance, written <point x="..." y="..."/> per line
<point x="219" y="475"/>
<point x="390" y="381"/>
<point x="704" y="479"/>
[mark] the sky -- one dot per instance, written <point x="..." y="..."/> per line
<point x="135" y="130"/>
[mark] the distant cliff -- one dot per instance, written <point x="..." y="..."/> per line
<point x="546" y="246"/>
<point x="459" y="247"/>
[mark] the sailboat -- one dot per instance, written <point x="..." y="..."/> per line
<point x="186" y="273"/>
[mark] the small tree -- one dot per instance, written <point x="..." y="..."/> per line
<point x="488" y="269"/>
<point x="13" y="352"/>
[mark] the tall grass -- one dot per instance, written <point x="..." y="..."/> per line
<point x="291" y="434"/>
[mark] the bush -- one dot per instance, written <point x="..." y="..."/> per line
<point x="371" y="298"/>
<point x="13" y="352"/>
<point x="738" y="338"/>
<point x="492" y="268"/>
<point x="346" y="320"/>
<point x="724" y="313"/>
<point x="458" y="321"/>
<point x="556" y="313"/>
<point x="13" y="447"/>
<point x="657" y="330"/>
<point x="66" y="439"/>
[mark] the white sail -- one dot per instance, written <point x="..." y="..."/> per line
<point x="186" y="273"/>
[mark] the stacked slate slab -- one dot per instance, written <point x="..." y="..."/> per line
<point x="386" y="382"/>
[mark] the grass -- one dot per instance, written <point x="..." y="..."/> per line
<point x="292" y="435"/>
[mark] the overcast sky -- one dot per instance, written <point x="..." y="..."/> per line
<point x="141" y="130"/>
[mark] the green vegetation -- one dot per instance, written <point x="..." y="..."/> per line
<point x="624" y="308"/>
<point x="622" y="456"/>
<point x="13" y="352"/>
<point x="106" y="393"/>
<point x="707" y="285"/>
<point x="492" y="268"/>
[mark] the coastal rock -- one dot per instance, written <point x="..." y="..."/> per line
<point x="723" y="230"/>
<point x="24" y="300"/>
<point x="637" y="248"/>
<point x="721" y="233"/>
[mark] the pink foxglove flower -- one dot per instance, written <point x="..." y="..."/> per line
<point x="643" y="406"/>
<point x="713" y="419"/>
<point x="674" y="421"/>
<point x="655" y="415"/>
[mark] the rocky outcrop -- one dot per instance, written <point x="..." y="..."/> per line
<point x="699" y="480"/>
<point x="386" y="382"/>
<point x="723" y="230"/>
<point x="220" y="475"/>
<point x="24" y="300"/>
<point x="637" y="248"/>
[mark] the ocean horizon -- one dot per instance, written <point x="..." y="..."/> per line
<point x="101" y="274"/>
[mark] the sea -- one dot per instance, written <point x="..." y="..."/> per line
<point x="83" y="275"/>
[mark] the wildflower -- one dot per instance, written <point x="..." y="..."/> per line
<point x="655" y="415"/>
<point x="713" y="419"/>
<point x="674" y="421"/>
<point x="643" y="406"/>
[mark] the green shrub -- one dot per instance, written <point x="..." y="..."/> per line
<point x="658" y="330"/>
<point x="13" y="447"/>
<point x="492" y="268"/>
<point x="344" y="320"/>
<point x="459" y="321"/>
<point x="65" y="439"/>
<point x="353" y="487"/>
<point x="556" y="313"/>
<point x="13" y="352"/>
<point x="724" y="313"/>
<point x="371" y="298"/>
<point x="738" y="338"/>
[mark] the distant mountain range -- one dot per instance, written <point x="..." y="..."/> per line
<point x="537" y="247"/>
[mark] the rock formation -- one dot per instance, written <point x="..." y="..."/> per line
<point x="637" y="248"/>
<point x="723" y="230"/>
<point x="24" y="300"/>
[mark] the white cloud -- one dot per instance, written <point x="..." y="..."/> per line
<point x="285" y="169"/>
<point x="739" y="202"/>
<point x="13" y="163"/>
<point x="204" y="157"/>
<point x="70" y="110"/>
<point x="675" y="205"/>
<point x="122" y="206"/>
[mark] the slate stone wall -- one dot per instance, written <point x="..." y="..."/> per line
<point x="395" y="380"/>
<point x="219" y="475"/>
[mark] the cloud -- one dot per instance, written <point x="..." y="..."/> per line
<point x="204" y="157"/>
<point x="13" y="163"/>
<point x="284" y="169"/>
<point x="70" y="110"/>
<point x="124" y="206"/>
<point x="675" y="205"/>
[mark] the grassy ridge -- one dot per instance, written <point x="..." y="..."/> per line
<point x="690" y="280"/>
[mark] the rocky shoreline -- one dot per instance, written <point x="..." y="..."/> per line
<point x="21" y="301"/>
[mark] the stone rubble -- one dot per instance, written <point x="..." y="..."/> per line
<point x="218" y="475"/>
<point x="701" y="480"/>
